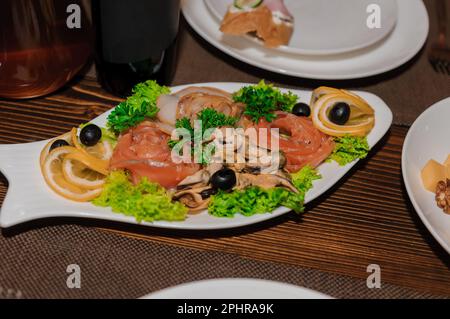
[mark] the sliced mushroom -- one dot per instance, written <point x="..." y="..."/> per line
<point x="265" y="164"/>
<point x="265" y="181"/>
<point x="192" y="198"/>
<point x="200" y="178"/>
<point x="203" y="206"/>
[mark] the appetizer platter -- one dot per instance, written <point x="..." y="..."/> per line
<point x="204" y="156"/>
<point x="426" y="170"/>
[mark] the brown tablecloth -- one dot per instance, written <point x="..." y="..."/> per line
<point x="34" y="266"/>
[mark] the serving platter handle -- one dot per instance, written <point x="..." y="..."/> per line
<point x="19" y="163"/>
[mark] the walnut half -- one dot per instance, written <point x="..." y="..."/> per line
<point x="443" y="195"/>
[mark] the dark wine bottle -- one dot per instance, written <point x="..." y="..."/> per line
<point x="136" y="41"/>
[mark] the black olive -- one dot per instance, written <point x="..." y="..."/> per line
<point x="208" y="193"/>
<point x="301" y="109"/>
<point x="90" y="135"/>
<point x="58" y="143"/>
<point x="225" y="179"/>
<point x="339" y="113"/>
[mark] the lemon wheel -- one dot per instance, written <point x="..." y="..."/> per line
<point x="361" y="120"/>
<point x="321" y="91"/>
<point x="66" y="137"/>
<point x="80" y="175"/>
<point x="54" y="177"/>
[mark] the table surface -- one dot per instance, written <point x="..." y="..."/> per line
<point x="365" y="219"/>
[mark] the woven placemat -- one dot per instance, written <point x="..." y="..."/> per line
<point x="34" y="264"/>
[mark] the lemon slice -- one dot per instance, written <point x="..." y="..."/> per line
<point x="95" y="164"/>
<point x="102" y="150"/>
<point x="321" y="91"/>
<point x="66" y="137"/>
<point x="80" y="175"/>
<point x="54" y="177"/>
<point x="359" y="113"/>
<point x="361" y="121"/>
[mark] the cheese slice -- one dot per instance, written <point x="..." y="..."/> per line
<point x="433" y="173"/>
<point x="447" y="167"/>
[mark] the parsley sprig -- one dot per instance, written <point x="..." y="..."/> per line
<point x="209" y="118"/>
<point x="137" y="107"/>
<point x="262" y="100"/>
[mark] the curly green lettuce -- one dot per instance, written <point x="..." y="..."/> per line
<point x="145" y="201"/>
<point x="255" y="200"/>
<point x="304" y="178"/>
<point x="348" y="149"/>
<point x="262" y="100"/>
<point x="139" y="106"/>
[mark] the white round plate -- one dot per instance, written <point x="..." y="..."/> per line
<point x="29" y="198"/>
<point x="407" y="38"/>
<point x="428" y="138"/>
<point x="236" y="288"/>
<point x="324" y="27"/>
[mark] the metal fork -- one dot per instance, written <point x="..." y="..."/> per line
<point x="439" y="55"/>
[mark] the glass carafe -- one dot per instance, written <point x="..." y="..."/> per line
<point x="43" y="44"/>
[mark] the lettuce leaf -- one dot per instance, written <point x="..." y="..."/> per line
<point x="145" y="201"/>
<point x="255" y="200"/>
<point x="139" y="106"/>
<point x="349" y="148"/>
<point x="303" y="179"/>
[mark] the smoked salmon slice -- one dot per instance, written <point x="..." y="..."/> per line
<point x="144" y="152"/>
<point x="301" y="143"/>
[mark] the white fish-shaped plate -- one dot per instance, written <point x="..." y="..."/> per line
<point x="29" y="198"/>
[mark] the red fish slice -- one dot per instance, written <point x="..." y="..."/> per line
<point x="299" y="140"/>
<point x="144" y="152"/>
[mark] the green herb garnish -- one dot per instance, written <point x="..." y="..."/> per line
<point x="349" y="148"/>
<point x="262" y="100"/>
<point x="210" y="119"/>
<point x="145" y="201"/>
<point x="303" y="179"/>
<point x="137" y="107"/>
<point x="186" y="124"/>
<point x="255" y="200"/>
